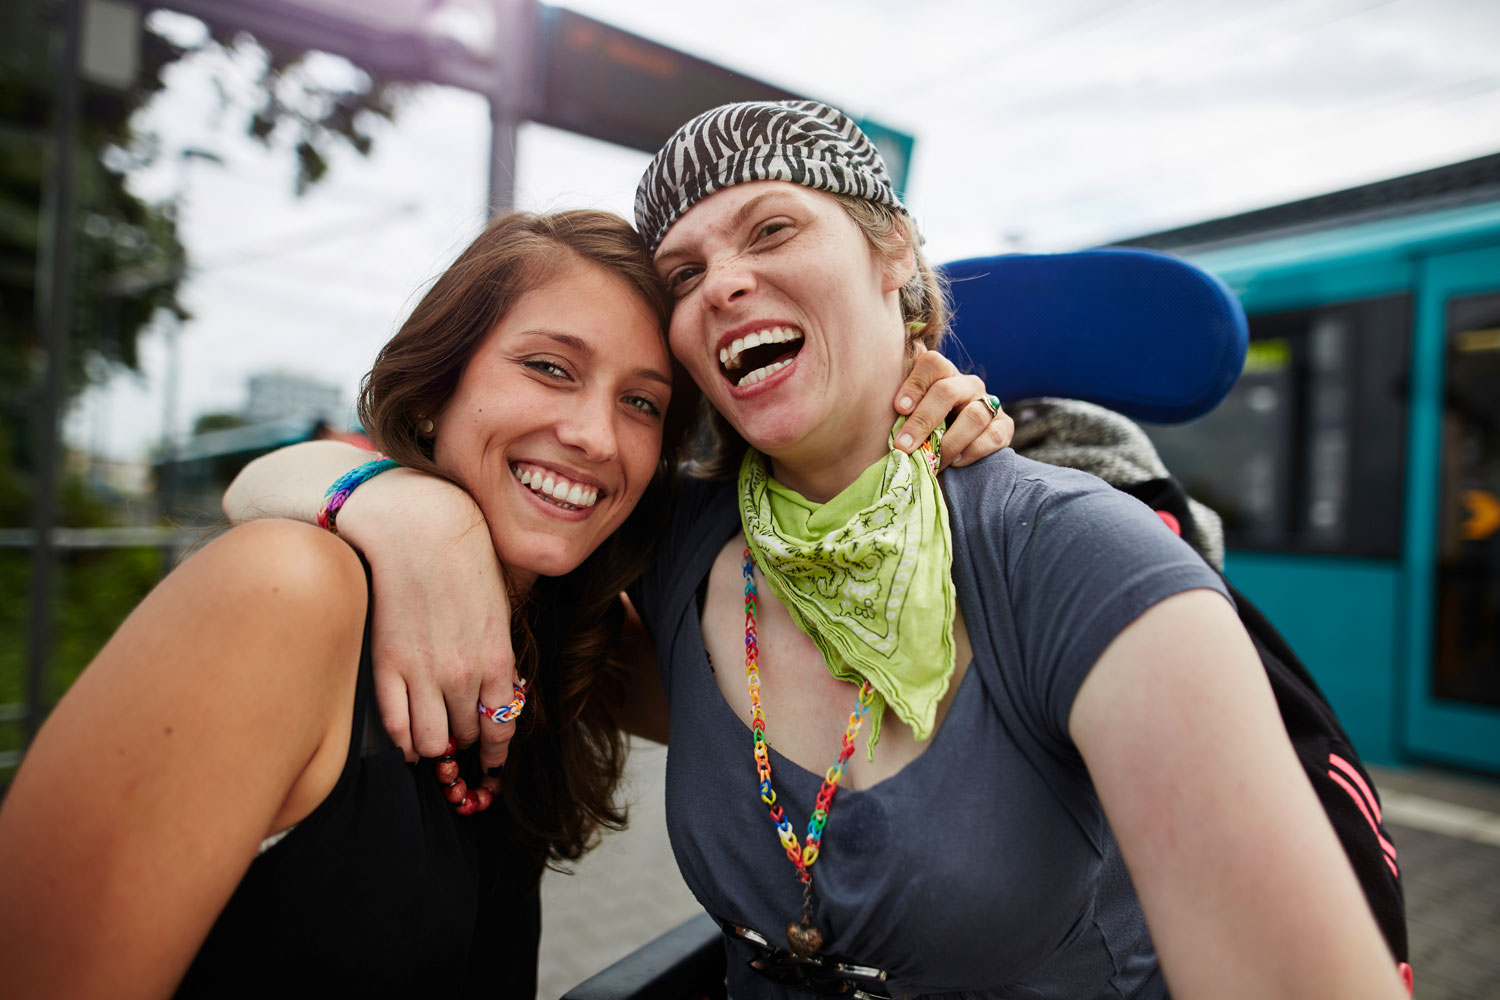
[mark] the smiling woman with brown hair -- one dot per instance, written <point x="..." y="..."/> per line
<point x="241" y="829"/>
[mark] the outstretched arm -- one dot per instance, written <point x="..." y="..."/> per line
<point x="218" y="714"/>
<point x="441" y="614"/>
<point x="1246" y="890"/>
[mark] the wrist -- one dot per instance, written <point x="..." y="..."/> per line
<point x="398" y="501"/>
<point x="344" y="486"/>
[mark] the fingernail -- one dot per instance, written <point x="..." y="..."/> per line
<point x="903" y="440"/>
<point x="904" y="403"/>
<point x="956" y="459"/>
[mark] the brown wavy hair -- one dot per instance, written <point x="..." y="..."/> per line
<point x="565" y="761"/>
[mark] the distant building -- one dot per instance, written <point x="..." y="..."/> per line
<point x="283" y="396"/>
<point x="190" y="488"/>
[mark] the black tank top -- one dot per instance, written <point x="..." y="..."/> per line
<point x="381" y="891"/>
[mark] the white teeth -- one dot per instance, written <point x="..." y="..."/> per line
<point x="729" y="356"/>
<point x="565" y="493"/>
<point x="761" y="374"/>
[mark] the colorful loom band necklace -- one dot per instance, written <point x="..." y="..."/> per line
<point x="804" y="939"/>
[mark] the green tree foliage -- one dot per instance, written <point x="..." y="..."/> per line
<point x="128" y="265"/>
<point x="129" y="262"/>
<point x="209" y="422"/>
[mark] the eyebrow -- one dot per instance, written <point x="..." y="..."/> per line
<point x="737" y="220"/>
<point x="584" y="347"/>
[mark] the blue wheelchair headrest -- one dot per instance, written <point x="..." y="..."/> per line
<point x="1141" y="332"/>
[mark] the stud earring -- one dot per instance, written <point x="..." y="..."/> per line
<point x="425" y="426"/>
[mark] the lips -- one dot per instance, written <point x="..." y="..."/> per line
<point x="553" y="487"/>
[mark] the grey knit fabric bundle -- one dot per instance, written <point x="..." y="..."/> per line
<point x="1078" y="435"/>
<point x="803" y="142"/>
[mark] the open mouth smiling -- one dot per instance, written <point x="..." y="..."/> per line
<point x="759" y="355"/>
<point x="555" y="488"/>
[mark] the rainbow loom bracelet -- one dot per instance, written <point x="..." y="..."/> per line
<point x="333" y="499"/>
<point x="507" y="712"/>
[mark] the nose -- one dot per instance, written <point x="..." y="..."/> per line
<point x="589" y="428"/>
<point x="727" y="280"/>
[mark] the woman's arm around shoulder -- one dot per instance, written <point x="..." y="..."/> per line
<point x="1246" y="890"/>
<point x="430" y="555"/>
<point x="219" y="713"/>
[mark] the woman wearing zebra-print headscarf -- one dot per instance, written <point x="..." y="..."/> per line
<point x="1070" y="734"/>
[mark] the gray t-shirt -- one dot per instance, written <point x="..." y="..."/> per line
<point x="985" y="867"/>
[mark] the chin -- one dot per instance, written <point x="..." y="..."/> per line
<point x="773" y="432"/>
<point x="541" y="560"/>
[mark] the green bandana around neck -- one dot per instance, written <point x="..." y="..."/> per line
<point x="867" y="575"/>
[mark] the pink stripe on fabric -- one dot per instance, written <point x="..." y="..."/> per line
<point x="1347" y="768"/>
<point x="1385" y="845"/>
<point x="1391" y="865"/>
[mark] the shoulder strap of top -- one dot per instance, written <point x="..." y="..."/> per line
<point x="367" y="736"/>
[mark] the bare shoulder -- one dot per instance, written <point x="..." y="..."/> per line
<point x="218" y="713"/>
<point x="298" y="561"/>
<point x="279" y="601"/>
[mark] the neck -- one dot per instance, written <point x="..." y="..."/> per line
<point x="819" y="478"/>
<point x="822" y="465"/>
<point x="518" y="582"/>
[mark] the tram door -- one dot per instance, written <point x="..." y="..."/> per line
<point x="1454" y="694"/>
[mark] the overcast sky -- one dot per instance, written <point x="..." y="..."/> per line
<point x="1040" y="126"/>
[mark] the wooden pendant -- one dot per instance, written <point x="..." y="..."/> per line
<point x="805" y="939"/>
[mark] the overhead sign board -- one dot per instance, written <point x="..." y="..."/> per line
<point x="602" y="81"/>
<point x="545" y="64"/>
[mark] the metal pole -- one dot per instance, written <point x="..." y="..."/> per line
<point x="55" y="315"/>
<point x="167" y="488"/>
<point x="505" y="124"/>
<point x="512" y="95"/>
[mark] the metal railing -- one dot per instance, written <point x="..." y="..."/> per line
<point x="168" y="539"/>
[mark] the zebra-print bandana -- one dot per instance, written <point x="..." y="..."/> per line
<point x="868" y="576"/>
<point x="799" y="141"/>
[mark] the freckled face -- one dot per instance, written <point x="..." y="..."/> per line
<point x="555" y="427"/>
<point x="786" y="318"/>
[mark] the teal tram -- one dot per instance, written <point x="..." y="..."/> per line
<point x="1356" y="462"/>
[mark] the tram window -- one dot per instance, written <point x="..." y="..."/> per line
<point x="1307" y="452"/>
<point x="1467" y="636"/>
